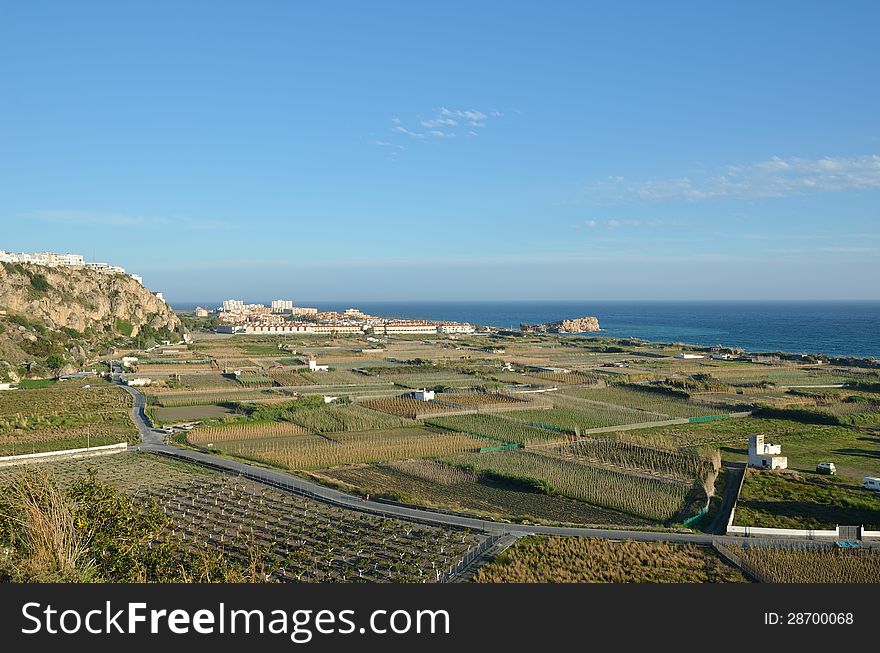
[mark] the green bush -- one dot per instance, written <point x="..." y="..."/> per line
<point x="39" y="283"/>
<point x="124" y="327"/>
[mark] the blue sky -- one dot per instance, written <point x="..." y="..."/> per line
<point x="495" y="150"/>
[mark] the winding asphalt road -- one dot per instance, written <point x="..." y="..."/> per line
<point x="154" y="442"/>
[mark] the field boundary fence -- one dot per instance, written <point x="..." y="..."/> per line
<point x="750" y="570"/>
<point x="103" y="450"/>
<point x="467" y="559"/>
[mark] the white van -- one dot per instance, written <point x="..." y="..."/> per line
<point x="826" y="468"/>
<point x="871" y="483"/>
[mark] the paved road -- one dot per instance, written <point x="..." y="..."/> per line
<point x="154" y="441"/>
<point x="735" y="473"/>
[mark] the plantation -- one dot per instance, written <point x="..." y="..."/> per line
<point x="178" y="399"/>
<point x="497" y="428"/>
<point x="318" y="452"/>
<point x="685" y="467"/>
<point x="435" y="484"/>
<point x="576" y="419"/>
<point x="652" y="402"/>
<point x="650" y="498"/>
<point x="335" y="419"/>
<point x="234" y="529"/>
<point x="244" y="431"/>
<point x="588" y="560"/>
<point x="477" y="399"/>
<point x="568" y="378"/>
<point x="812" y="564"/>
<point x="288" y="377"/>
<point x="63" y="415"/>
<point x="407" y="407"/>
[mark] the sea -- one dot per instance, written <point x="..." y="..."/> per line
<point x="835" y="328"/>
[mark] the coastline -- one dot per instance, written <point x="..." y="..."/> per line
<point x="837" y="328"/>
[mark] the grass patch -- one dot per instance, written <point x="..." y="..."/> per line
<point x="790" y="500"/>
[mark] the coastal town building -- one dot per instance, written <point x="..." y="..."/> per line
<point x="230" y="305"/>
<point x="455" y="327"/>
<point x="281" y="305"/>
<point x="201" y="312"/>
<point x="405" y="327"/>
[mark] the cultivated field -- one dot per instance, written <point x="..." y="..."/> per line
<point x="792" y="500"/>
<point x="285" y="537"/>
<point x="64" y="415"/>
<point x="497" y="428"/>
<point x="587" y="560"/>
<point x="646" y="400"/>
<point x="643" y="496"/>
<point x="318" y="452"/>
<point x="435" y="484"/>
<point x="812" y="564"/>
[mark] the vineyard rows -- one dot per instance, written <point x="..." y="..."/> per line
<point x="317" y="452"/>
<point x="638" y="495"/>
<point x="683" y="466"/>
<point x="651" y="402"/>
<point x="811" y="565"/>
<point x="498" y="428"/>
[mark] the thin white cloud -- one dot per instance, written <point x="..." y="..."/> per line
<point x="614" y="224"/>
<point x="98" y="219"/>
<point x="444" y="123"/>
<point x="775" y="177"/>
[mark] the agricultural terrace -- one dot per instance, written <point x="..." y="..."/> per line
<point x="647" y="400"/>
<point x="287" y="537"/>
<point x="575" y="417"/>
<point x="408" y="407"/>
<point x="64" y="415"/>
<point x="588" y="560"/>
<point x="643" y="496"/>
<point x="811" y="564"/>
<point x="785" y="499"/>
<point x="497" y="428"/>
<point x="685" y="467"/>
<point x="439" y="485"/>
<point x="395" y="446"/>
<point x="318" y="452"/>
<point x="854" y="451"/>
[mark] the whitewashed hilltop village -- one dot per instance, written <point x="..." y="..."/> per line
<point x="52" y="260"/>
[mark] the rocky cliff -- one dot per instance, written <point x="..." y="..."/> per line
<point x="574" y="325"/>
<point x="63" y="315"/>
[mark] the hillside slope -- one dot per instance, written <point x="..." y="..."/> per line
<point x="58" y="317"/>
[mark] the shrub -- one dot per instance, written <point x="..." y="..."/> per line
<point x="39" y="283"/>
<point x="124" y="327"/>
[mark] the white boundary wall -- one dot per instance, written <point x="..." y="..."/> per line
<point x="6" y="461"/>
<point x="809" y="534"/>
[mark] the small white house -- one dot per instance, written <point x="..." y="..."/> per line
<point x="765" y="456"/>
<point x="139" y="382"/>
<point x="128" y="361"/>
<point x="5" y="386"/>
<point x="688" y="356"/>
<point x="424" y="395"/>
<point x="330" y="400"/>
<point x="314" y="367"/>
